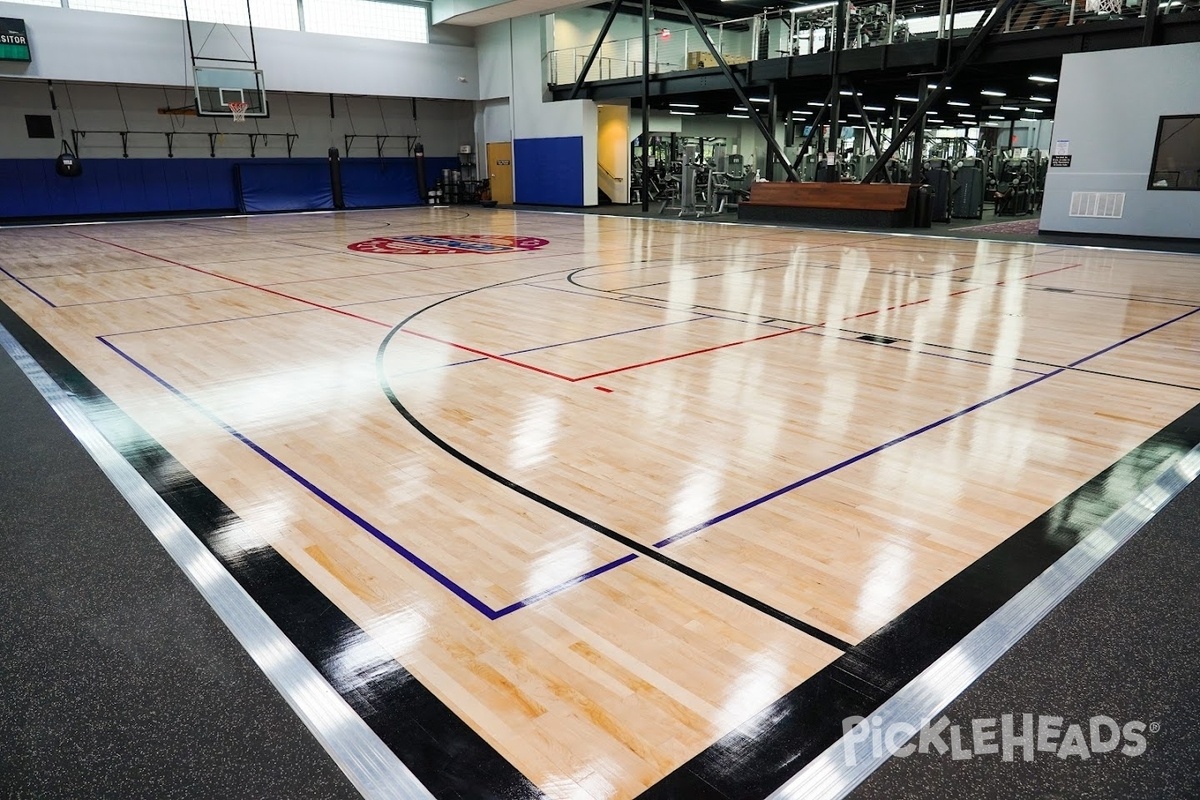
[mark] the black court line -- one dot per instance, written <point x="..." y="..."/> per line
<point x="87" y="273"/>
<point x="209" y="322"/>
<point x="644" y="550"/>
<point x="666" y="307"/>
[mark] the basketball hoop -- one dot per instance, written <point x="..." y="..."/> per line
<point x="1103" y="6"/>
<point x="238" y="108"/>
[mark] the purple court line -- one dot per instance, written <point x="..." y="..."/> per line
<point x="697" y="318"/>
<point x="28" y="288"/>
<point x="332" y="502"/>
<point x="910" y="435"/>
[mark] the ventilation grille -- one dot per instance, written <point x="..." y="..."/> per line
<point x="1107" y="205"/>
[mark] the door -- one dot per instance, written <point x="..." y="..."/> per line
<point x="499" y="159"/>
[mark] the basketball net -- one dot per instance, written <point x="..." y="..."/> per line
<point x="238" y="108"/>
<point x="1102" y="6"/>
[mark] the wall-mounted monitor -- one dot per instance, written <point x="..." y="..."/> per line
<point x="1176" y="164"/>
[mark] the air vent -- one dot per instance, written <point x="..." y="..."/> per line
<point x="1106" y="205"/>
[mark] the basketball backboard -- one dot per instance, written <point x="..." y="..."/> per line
<point x="217" y="87"/>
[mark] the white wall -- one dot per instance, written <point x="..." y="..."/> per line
<point x="73" y="45"/>
<point x="510" y="65"/>
<point x="1108" y="108"/>
<point x="443" y="125"/>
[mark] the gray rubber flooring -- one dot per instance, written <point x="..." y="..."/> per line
<point x="118" y="680"/>
<point x="1124" y="646"/>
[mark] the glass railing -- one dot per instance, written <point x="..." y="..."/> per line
<point x="777" y="33"/>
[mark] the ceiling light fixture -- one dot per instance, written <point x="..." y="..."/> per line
<point x="959" y="103"/>
<point x="738" y="116"/>
<point x="683" y="113"/>
<point x="1041" y="99"/>
<point x="1042" y="79"/>
<point x="684" y="105"/>
<point x="992" y="93"/>
<point x="906" y="99"/>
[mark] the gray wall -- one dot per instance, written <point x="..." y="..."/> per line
<point x="1108" y="108"/>
<point x="444" y="125"/>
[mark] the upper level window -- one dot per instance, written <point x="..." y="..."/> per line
<point x="1177" y="154"/>
<point x="373" y="19"/>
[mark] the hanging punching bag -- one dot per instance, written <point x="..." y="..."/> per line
<point x="422" y="187"/>
<point x="67" y="164"/>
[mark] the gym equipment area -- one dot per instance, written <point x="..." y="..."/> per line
<point x="957" y="100"/>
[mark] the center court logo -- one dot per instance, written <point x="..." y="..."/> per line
<point x="476" y="243"/>
<point x="1028" y="733"/>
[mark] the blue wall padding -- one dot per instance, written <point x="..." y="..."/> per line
<point x="549" y="171"/>
<point x="296" y="185"/>
<point x="29" y="187"/>
<point x="372" y="182"/>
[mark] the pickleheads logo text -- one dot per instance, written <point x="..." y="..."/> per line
<point x="1030" y="735"/>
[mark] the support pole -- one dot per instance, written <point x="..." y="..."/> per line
<point x="768" y="134"/>
<point x="587" y="65"/>
<point x="772" y="115"/>
<point x="1150" y="30"/>
<point x="817" y="122"/>
<point x="645" y="104"/>
<point x="918" y="152"/>
<point x="981" y="33"/>
<point x="862" y="112"/>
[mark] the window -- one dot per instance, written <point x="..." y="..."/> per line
<point x="1176" y="163"/>
<point x="266" y="13"/>
<point x="373" y="19"/>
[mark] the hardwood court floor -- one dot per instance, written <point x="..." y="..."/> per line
<point x="611" y="497"/>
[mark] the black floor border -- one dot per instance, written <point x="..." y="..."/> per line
<point x="763" y="753"/>
<point x="442" y="751"/>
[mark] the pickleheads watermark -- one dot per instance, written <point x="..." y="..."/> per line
<point x="1028" y="734"/>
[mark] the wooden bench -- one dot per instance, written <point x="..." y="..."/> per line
<point x="873" y="205"/>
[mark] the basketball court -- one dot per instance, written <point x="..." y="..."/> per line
<point x="579" y="506"/>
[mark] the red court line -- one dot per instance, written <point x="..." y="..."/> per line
<point x="235" y="280"/>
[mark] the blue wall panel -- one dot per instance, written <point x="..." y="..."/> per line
<point x="112" y="186"/>
<point x="296" y="185"/>
<point x="549" y="171"/>
<point x="373" y="182"/>
<point x="30" y="187"/>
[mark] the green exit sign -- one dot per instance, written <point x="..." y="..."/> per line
<point x="14" y="41"/>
